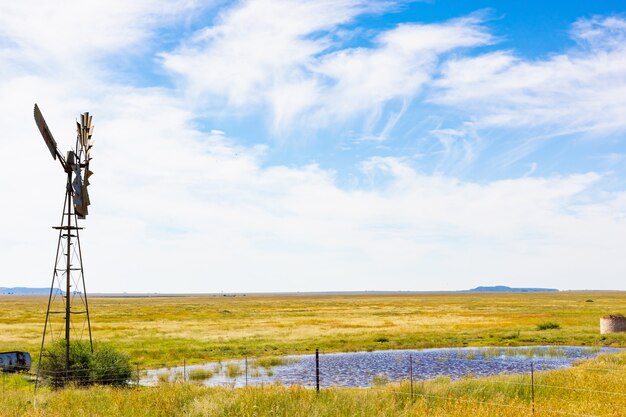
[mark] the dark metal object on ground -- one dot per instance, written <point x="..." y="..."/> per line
<point x="15" y="361"/>
<point x="411" y="375"/>
<point x="317" y="370"/>
<point x="67" y="315"/>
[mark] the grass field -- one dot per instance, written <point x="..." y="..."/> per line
<point x="162" y="331"/>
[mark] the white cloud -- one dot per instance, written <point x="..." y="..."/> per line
<point x="583" y="90"/>
<point x="211" y="215"/>
<point x="68" y="36"/>
<point x="401" y="61"/>
<point x="175" y="209"/>
<point x="257" y="45"/>
<point x="286" y="54"/>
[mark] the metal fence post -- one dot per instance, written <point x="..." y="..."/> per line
<point x="317" y="370"/>
<point x="137" y="375"/>
<point x="411" y="376"/>
<point x="246" y="362"/>
<point x="532" y="385"/>
<point x="184" y="370"/>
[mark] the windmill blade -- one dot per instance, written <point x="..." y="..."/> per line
<point x="86" y="200"/>
<point x="45" y="132"/>
<point x="85" y="131"/>
<point x="81" y="205"/>
<point x="77" y="185"/>
<point x="79" y="133"/>
<point x="88" y="174"/>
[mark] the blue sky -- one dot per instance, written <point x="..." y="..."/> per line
<point x="278" y="145"/>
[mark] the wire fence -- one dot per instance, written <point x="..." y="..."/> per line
<point x="319" y="371"/>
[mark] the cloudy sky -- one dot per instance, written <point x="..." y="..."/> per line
<point x="278" y="145"/>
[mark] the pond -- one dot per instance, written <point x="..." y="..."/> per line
<point x="363" y="369"/>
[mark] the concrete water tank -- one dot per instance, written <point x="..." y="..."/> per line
<point x="612" y="324"/>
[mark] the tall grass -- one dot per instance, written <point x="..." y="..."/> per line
<point x="233" y="370"/>
<point x="200" y="374"/>
<point x="272" y="361"/>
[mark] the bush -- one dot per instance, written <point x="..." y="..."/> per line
<point x="105" y="366"/>
<point x="548" y="325"/>
<point x="110" y="367"/>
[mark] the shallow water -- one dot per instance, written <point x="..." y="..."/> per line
<point x="362" y="369"/>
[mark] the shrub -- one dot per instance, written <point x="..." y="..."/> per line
<point x="110" y="367"/>
<point x="105" y="366"/>
<point x="548" y="325"/>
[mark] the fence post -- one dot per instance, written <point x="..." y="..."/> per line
<point x="246" y="362"/>
<point x="317" y="370"/>
<point x="184" y="370"/>
<point x="137" y="376"/>
<point x="532" y="384"/>
<point x="411" y="375"/>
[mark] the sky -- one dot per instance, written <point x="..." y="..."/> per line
<point x="344" y="145"/>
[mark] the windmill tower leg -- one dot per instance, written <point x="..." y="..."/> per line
<point x="68" y="274"/>
<point x="47" y="327"/>
<point x="67" y="291"/>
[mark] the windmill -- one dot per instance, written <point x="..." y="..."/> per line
<point x="67" y="315"/>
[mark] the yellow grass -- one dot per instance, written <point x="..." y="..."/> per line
<point x="161" y="331"/>
<point x="165" y="330"/>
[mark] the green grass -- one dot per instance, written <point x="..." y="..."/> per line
<point x="548" y="325"/>
<point x="272" y="361"/>
<point x="200" y="374"/>
<point x="164" y="331"/>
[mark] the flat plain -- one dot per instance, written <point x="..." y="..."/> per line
<point x="164" y="331"/>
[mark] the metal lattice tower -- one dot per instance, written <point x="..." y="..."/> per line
<point x="67" y="314"/>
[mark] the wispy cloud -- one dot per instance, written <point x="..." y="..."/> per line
<point x="283" y="54"/>
<point x="69" y="36"/>
<point x="578" y="91"/>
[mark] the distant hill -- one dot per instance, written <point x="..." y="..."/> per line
<point x="504" y="288"/>
<point x="25" y="291"/>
